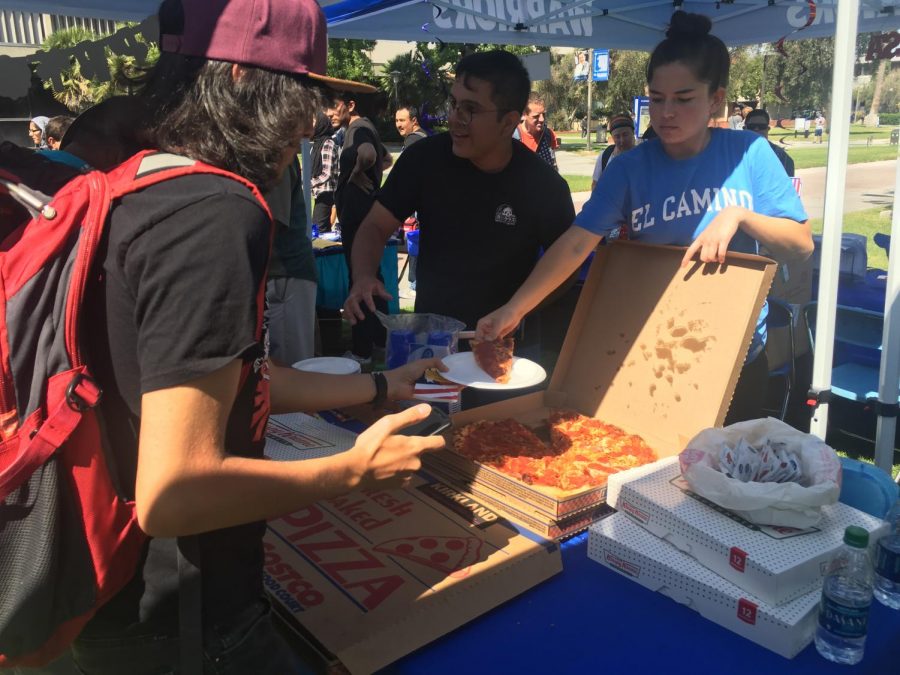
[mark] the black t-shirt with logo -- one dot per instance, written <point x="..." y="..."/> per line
<point x="481" y="233"/>
<point x="176" y="300"/>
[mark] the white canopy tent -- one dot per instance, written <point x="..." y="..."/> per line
<point x="630" y="24"/>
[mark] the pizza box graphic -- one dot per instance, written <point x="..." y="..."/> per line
<point x="522" y="512"/>
<point x="619" y="544"/>
<point x="653" y="348"/>
<point x="371" y="576"/>
<point x="776" y="564"/>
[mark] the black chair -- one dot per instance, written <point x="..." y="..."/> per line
<point x="780" y="348"/>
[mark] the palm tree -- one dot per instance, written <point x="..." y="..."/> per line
<point x="78" y="92"/>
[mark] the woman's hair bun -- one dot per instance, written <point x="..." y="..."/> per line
<point x="686" y="25"/>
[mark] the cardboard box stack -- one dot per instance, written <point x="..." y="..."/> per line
<point x="761" y="582"/>
<point x="366" y="578"/>
<point x="662" y="365"/>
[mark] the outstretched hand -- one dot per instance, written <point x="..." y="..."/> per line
<point x="402" y="380"/>
<point x="386" y="460"/>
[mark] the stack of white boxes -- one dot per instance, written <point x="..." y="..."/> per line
<point x="763" y="583"/>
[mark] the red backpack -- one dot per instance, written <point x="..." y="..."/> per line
<point x="68" y="541"/>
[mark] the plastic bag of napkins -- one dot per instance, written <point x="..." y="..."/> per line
<point x="764" y="471"/>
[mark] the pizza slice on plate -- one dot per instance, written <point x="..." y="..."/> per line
<point x="495" y="357"/>
<point x="450" y="555"/>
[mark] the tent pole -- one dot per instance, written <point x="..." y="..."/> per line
<point x="889" y="379"/>
<point x="589" y="78"/>
<point x="835" y="177"/>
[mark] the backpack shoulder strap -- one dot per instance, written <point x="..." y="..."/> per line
<point x="150" y="167"/>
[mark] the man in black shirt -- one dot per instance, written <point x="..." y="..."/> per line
<point x="758" y="122"/>
<point x="486" y="205"/>
<point x="177" y="343"/>
<point x="362" y="164"/>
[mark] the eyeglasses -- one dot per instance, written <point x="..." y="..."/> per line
<point x="757" y="127"/>
<point x="464" y="111"/>
<point x="34" y="131"/>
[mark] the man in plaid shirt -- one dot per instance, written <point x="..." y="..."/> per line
<point x="324" y="172"/>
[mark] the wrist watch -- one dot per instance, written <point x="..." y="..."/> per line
<point x="381" y="389"/>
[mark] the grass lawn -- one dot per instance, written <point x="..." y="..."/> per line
<point x="578" y="183"/>
<point x="867" y="223"/>
<point x="806" y="157"/>
<point x="806" y="154"/>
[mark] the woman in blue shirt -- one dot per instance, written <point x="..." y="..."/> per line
<point x="709" y="189"/>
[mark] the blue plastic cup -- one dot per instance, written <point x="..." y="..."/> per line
<point x="399" y="341"/>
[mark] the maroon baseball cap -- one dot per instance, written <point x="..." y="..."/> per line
<point x="284" y="35"/>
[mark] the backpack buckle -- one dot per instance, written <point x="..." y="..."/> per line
<point x="89" y="395"/>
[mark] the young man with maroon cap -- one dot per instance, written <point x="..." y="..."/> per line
<point x="176" y="345"/>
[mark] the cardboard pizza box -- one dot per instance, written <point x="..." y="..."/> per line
<point x="619" y="544"/>
<point x="653" y="348"/>
<point x="519" y="511"/>
<point x="376" y="574"/>
<point x="776" y="564"/>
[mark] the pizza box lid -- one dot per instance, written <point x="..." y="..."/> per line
<point x="776" y="564"/>
<point x="619" y="544"/>
<point x="652" y="347"/>
<point x="376" y="574"/>
<point x="656" y="348"/>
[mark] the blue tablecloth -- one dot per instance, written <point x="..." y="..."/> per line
<point x="589" y="619"/>
<point x="334" y="282"/>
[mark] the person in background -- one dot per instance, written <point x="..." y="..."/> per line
<point x="534" y="133"/>
<point x="621" y="130"/>
<point x="292" y="274"/>
<point x="687" y="77"/>
<point x="56" y="129"/>
<point x="324" y="171"/>
<point x="407" y="121"/>
<point x="820" y="128"/>
<point x="584" y="127"/>
<point x="362" y="164"/>
<point x="36" y="131"/>
<point x="757" y="121"/>
<point x="736" y="121"/>
<point x="177" y="344"/>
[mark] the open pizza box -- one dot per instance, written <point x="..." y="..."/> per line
<point x="366" y="578"/>
<point x="653" y="348"/>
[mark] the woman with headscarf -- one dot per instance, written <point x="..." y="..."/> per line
<point x="324" y="171"/>
<point x="36" y="128"/>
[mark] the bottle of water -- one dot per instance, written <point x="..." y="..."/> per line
<point x="846" y="598"/>
<point x="887" y="561"/>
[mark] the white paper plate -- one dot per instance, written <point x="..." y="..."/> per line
<point x="334" y="365"/>
<point x="463" y="370"/>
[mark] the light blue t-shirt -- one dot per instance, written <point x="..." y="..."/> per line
<point x="671" y="201"/>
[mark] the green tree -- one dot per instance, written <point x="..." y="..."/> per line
<point x="78" y="92"/>
<point x="350" y="60"/>
<point x="425" y="75"/>
<point x="805" y="75"/>
<point x="745" y="77"/>
<point x="627" y="79"/>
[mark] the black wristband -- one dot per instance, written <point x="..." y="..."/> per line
<point x="381" y="389"/>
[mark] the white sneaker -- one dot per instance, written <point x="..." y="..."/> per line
<point x="361" y="360"/>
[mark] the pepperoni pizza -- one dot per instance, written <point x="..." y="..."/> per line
<point x="495" y="357"/>
<point x="582" y="451"/>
